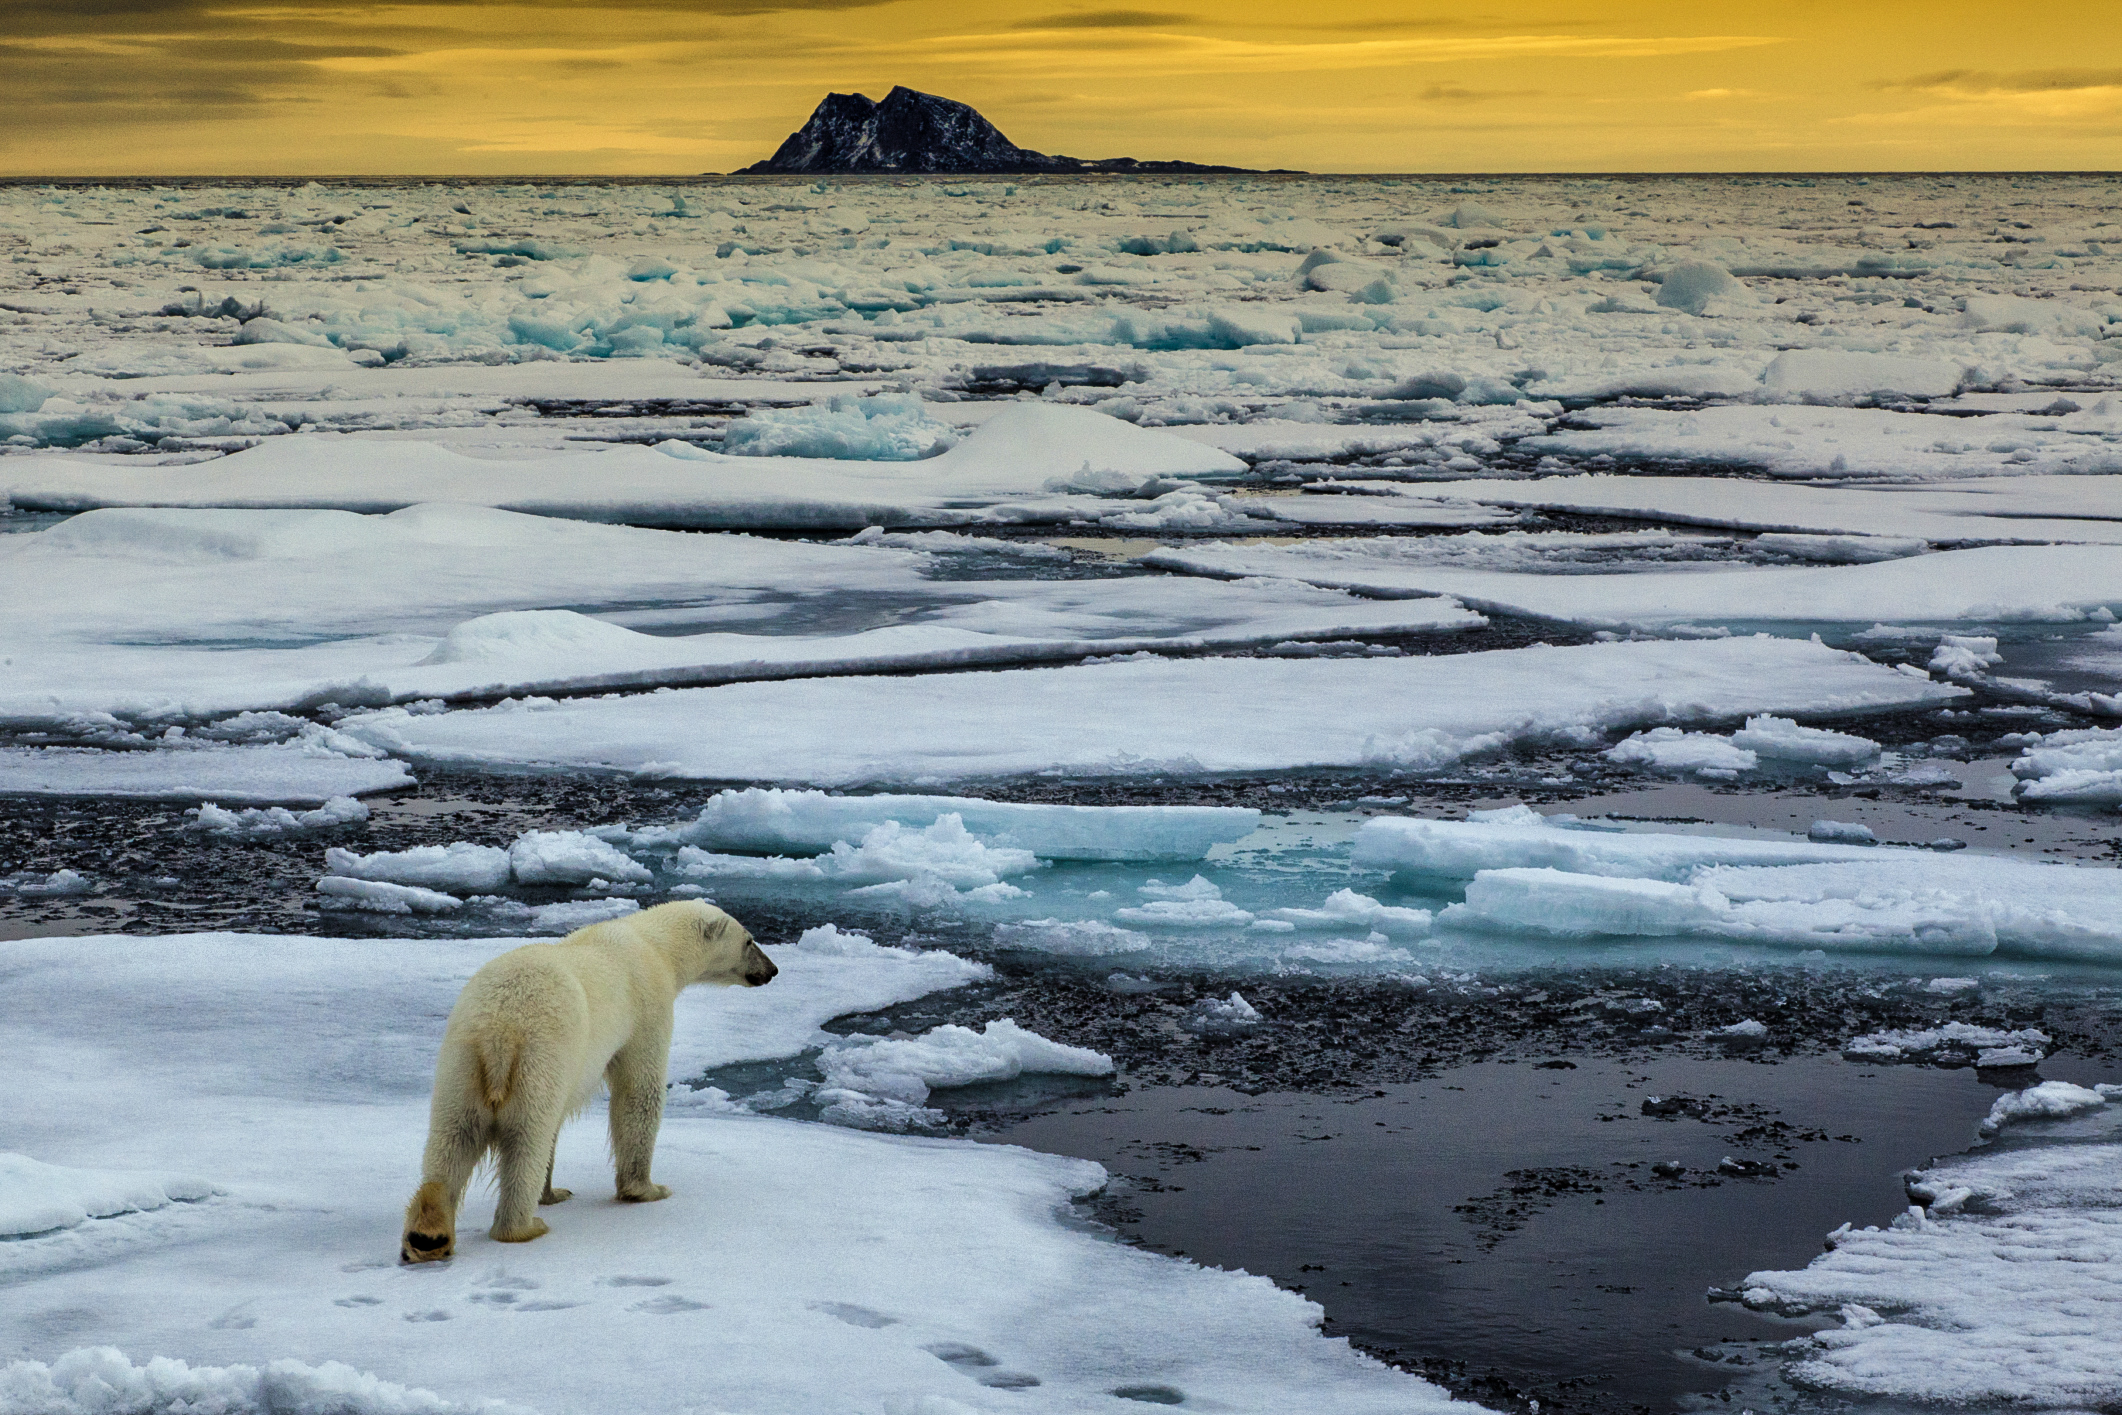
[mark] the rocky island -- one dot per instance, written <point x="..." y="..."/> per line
<point x="912" y="132"/>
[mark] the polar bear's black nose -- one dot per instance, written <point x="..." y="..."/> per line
<point x="759" y="969"/>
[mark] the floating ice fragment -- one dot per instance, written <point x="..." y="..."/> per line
<point x="1841" y="833"/>
<point x="1087" y="938"/>
<point x="1345" y="908"/>
<point x="2050" y="1100"/>
<point x="1221" y="1017"/>
<point x="1670" y="749"/>
<point x="906" y="1069"/>
<point x="1785" y="740"/>
<point x="272" y="822"/>
<point x="571" y="857"/>
<point x="762" y="820"/>
<point x="379" y="897"/>
<point x="461" y="867"/>
<point x="58" y="884"/>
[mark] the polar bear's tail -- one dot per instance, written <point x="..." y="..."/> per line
<point x="496" y="1057"/>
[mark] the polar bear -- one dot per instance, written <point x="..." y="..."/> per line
<point x="533" y="1036"/>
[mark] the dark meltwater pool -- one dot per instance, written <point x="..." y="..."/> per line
<point x="1501" y="1227"/>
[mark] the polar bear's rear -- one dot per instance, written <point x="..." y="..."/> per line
<point x="534" y="1035"/>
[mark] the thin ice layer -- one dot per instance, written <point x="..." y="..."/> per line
<point x="2022" y="509"/>
<point x="2046" y="584"/>
<point x="244" y="775"/>
<point x="301" y="1066"/>
<point x="1136" y="717"/>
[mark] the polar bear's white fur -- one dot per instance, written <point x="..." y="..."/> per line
<point x="536" y="1033"/>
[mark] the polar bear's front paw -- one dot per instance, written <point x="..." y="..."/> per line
<point x="555" y="1196"/>
<point x="535" y="1228"/>
<point x="645" y="1193"/>
<point x="430" y="1227"/>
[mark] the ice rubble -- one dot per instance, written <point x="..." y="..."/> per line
<point x="774" y="820"/>
<point x="2058" y="584"/>
<point x="860" y="1256"/>
<point x="1953" y="1042"/>
<point x="1523" y="876"/>
<point x="1132" y="717"/>
<point x="1724" y="758"/>
<point x="1998" y="1288"/>
<point x="887" y="428"/>
<point x="41" y="1198"/>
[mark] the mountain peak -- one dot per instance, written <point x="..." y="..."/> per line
<point x="917" y="132"/>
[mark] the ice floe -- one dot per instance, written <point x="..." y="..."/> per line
<point x="1996" y="1288"/>
<point x="301" y="1067"/>
<point x="1134" y="717"/>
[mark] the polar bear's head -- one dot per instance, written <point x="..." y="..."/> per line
<point x="707" y="944"/>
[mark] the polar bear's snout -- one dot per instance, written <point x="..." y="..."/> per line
<point x="759" y="970"/>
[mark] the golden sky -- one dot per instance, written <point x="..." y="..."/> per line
<point x="681" y="86"/>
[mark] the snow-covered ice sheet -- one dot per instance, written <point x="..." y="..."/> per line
<point x="796" y="1266"/>
<point x="1135" y="717"/>
<point x="1849" y="442"/>
<point x="43" y="1198"/>
<point x="1997" y="1289"/>
<point x="175" y="614"/>
<point x="232" y="578"/>
<point x="2064" y="584"/>
<point x="286" y="775"/>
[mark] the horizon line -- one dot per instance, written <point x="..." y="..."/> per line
<point x="67" y="179"/>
